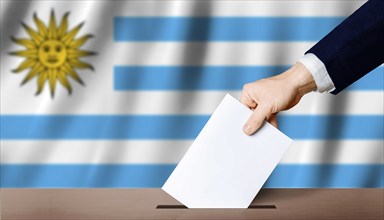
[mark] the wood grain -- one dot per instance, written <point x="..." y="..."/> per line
<point x="113" y="204"/>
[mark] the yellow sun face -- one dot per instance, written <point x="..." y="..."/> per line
<point x="52" y="54"/>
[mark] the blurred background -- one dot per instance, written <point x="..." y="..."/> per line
<point x="160" y="70"/>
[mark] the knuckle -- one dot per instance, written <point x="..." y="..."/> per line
<point x="246" y="87"/>
<point x="268" y="107"/>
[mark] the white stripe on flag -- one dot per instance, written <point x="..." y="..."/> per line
<point x="196" y="8"/>
<point x="243" y="8"/>
<point x="102" y="102"/>
<point x="165" y="152"/>
<point x="212" y="53"/>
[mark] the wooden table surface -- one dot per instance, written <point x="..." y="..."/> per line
<point x="111" y="204"/>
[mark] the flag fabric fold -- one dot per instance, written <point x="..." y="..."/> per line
<point x="112" y="93"/>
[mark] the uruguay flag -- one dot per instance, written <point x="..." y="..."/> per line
<point x="114" y="92"/>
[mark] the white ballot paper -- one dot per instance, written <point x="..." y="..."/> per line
<point x="225" y="168"/>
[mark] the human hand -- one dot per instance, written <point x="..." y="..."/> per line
<point x="269" y="96"/>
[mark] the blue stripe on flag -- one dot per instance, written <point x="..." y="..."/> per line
<point x="372" y="81"/>
<point x="223" y="28"/>
<point x="14" y="127"/>
<point x="190" y="77"/>
<point x="212" y="77"/>
<point x="146" y="175"/>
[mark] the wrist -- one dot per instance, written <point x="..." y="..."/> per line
<point x="301" y="79"/>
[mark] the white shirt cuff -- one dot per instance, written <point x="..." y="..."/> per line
<point x="319" y="72"/>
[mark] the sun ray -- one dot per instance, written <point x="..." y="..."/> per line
<point x="40" y="26"/>
<point x="72" y="73"/>
<point x="80" y="64"/>
<point x="52" y="73"/>
<point x="63" y="26"/>
<point x="68" y="37"/>
<point x="36" y="70"/>
<point x="33" y="34"/>
<point x="72" y="54"/>
<point x="25" y="53"/>
<point x="52" y="31"/>
<point x="25" y="42"/>
<point x="29" y="63"/>
<point x="79" y="42"/>
<point x="64" y="81"/>
<point x="41" y="81"/>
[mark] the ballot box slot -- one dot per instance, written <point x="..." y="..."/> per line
<point x="262" y="207"/>
<point x="184" y="207"/>
<point x="171" y="207"/>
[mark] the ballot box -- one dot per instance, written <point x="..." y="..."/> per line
<point x="113" y="204"/>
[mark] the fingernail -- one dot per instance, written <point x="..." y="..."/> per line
<point x="247" y="129"/>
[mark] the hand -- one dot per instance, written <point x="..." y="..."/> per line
<point x="267" y="97"/>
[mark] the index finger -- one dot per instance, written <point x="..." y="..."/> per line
<point x="247" y="101"/>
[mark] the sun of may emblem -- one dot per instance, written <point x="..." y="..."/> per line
<point x="52" y="53"/>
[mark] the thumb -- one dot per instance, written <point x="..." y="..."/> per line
<point x="256" y="120"/>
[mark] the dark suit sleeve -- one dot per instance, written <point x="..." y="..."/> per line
<point x="355" y="47"/>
